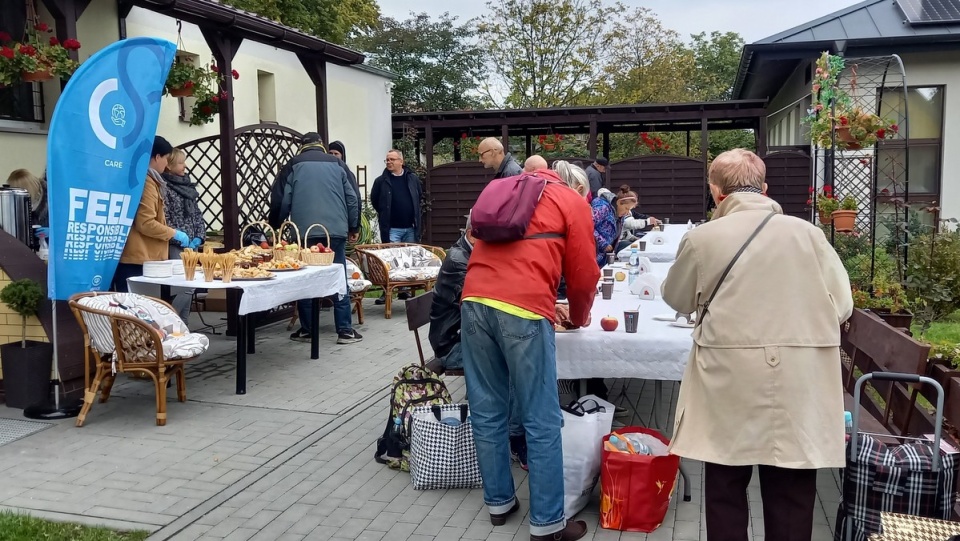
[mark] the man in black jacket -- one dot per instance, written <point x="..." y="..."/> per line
<point x="494" y="156"/>
<point x="396" y="198"/>
<point x="444" y="331"/>
<point x="595" y="172"/>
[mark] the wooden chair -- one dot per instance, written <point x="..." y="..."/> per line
<point x="418" y="315"/>
<point x="379" y="273"/>
<point x="139" y="350"/>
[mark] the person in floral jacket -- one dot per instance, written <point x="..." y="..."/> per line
<point x="180" y="198"/>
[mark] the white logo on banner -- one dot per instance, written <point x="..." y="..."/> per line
<point x="93" y="112"/>
<point x="98" y="220"/>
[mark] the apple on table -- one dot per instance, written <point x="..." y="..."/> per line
<point x="609" y="323"/>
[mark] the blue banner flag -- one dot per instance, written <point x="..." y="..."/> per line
<point x="98" y="149"/>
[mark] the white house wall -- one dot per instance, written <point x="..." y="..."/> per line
<point x="359" y="101"/>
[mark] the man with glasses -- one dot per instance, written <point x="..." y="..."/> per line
<point x="396" y="198"/>
<point x="492" y="156"/>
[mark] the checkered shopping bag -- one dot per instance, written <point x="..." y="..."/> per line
<point x="442" y="452"/>
<point x="908" y="528"/>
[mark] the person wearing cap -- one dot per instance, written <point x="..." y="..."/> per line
<point x="150" y="236"/>
<point x="315" y="188"/>
<point x="595" y="172"/>
<point x="337" y="149"/>
<point x="492" y="156"/>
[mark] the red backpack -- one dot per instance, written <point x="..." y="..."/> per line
<point x="504" y="208"/>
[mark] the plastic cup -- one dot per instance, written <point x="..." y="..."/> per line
<point x="666" y="221"/>
<point x="607" y="272"/>
<point x="642" y="245"/>
<point x="630" y="319"/>
<point x="606" y="289"/>
<point x="611" y="258"/>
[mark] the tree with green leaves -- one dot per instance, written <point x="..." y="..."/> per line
<point x="544" y="53"/>
<point x="438" y="64"/>
<point x="332" y="20"/>
<point x="716" y="59"/>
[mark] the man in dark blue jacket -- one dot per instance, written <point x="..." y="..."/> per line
<point x="315" y="188"/>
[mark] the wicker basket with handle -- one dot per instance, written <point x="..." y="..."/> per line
<point x="319" y="259"/>
<point x="279" y="253"/>
<point x="264" y="226"/>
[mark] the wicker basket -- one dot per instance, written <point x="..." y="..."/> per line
<point x="316" y="259"/>
<point x="264" y="226"/>
<point x="279" y="253"/>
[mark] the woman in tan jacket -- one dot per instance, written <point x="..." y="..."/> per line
<point x="150" y="236"/>
<point x="762" y="385"/>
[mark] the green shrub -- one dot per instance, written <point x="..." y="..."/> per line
<point x="933" y="275"/>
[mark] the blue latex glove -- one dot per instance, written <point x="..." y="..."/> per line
<point x="195" y="243"/>
<point x="182" y="238"/>
<point x="45" y="231"/>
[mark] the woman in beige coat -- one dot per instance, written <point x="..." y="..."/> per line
<point x="762" y="385"/>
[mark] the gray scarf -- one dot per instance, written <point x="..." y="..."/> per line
<point x="182" y="186"/>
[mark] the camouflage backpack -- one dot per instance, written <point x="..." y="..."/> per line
<point x="414" y="386"/>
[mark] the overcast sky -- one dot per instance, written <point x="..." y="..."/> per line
<point x="752" y="19"/>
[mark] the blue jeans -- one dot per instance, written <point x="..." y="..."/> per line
<point x="403" y="234"/>
<point x="454" y="361"/>
<point x="500" y="349"/>
<point x="342" y="311"/>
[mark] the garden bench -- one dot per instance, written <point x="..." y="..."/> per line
<point x="399" y="265"/>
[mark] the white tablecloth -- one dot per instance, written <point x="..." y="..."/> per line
<point x="660" y="252"/>
<point x="657" y="350"/>
<point x="307" y="283"/>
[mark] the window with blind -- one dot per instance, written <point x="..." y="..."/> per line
<point x="22" y="102"/>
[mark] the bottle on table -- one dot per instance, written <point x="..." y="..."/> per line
<point x="634" y="270"/>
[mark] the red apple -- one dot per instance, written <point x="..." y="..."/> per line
<point x="265" y="245"/>
<point x="314" y="249"/>
<point x="609" y="323"/>
<point x="284" y="243"/>
<point x="320" y="246"/>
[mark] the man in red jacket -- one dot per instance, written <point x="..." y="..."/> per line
<point x="507" y="336"/>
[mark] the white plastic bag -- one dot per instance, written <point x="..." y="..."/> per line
<point x="585" y="423"/>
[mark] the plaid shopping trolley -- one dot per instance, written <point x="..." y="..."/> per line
<point x="913" y="478"/>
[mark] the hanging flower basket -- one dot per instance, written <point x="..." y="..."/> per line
<point x="36" y="76"/>
<point x="181" y="92"/>
<point x="549" y="146"/>
<point x="849" y="141"/>
<point x="826" y="218"/>
<point x="844" y="220"/>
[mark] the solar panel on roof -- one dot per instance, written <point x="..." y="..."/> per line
<point x="930" y="11"/>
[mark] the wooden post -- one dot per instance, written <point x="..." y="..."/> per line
<point x="224" y="47"/>
<point x="528" y="145"/>
<point x="65" y="14"/>
<point x="606" y="145"/>
<point x="688" y="143"/>
<point x="704" y="144"/>
<point x="316" y="69"/>
<point x="592" y="143"/>
<point x="456" y="148"/>
<point x="762" y="136"/>
<point x="428" y="142"/>
<point x="505" y="137"/>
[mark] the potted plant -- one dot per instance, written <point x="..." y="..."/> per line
<point x="825" y="203"/>
<point x="833" y="114"/>
<point x="36" y="58"/>
<point x="550" y="142"/>
<point x="26" y="363"/>
<point x="654" y="144"/>
<point x="845" y="218"/>
<point x="201" y="83"/>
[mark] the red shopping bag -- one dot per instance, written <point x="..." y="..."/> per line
<point x="635" y="490"/>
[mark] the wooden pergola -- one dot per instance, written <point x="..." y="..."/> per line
<point x="598" y="122"/>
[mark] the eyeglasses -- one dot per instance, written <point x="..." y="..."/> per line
<point x="484" y="152"/>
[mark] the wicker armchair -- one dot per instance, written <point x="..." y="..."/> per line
<point x="139" y="350"/>
<point x="437" y="251"/>
<point x="378" y="273"/>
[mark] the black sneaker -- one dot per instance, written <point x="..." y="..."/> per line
<point x="381" y="300"/>
<point x="348" y="337"/>
<point x="518" y="450"/>
<point x="301" y="336"/>
<point x="403" y="295"/>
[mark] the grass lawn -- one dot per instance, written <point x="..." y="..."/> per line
<point x="17" y="527"/>
<point x="944" y="331"/>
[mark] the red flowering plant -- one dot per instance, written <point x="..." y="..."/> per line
<point x="824" y="201"/>
<point x="550" y="142"/>
<point x="204" y="84"/>
<point x="38" y="57"/>
<point x="468" y="146"/>
<point x="655" y="144"/>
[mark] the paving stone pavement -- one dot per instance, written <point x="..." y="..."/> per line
<point x="291" y="459"/>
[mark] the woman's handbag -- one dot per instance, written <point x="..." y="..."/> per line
<point x="442" y="452"/>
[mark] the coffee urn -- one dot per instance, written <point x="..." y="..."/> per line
<point x="15" y="213"/>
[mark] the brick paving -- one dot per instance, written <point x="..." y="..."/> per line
<point x="291" y="459"/>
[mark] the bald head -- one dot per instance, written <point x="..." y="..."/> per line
<point x="534" y="163"/>
<point x="491" y="152"/>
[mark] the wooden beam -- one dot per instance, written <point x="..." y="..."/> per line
<point x="316" y="69"/>
<point x="505" y="137"/>
<point x="578" y="122"/>
<point x="761" y="136"/>
<point x="592" y="143"/>
<point x="704" y="145"/>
